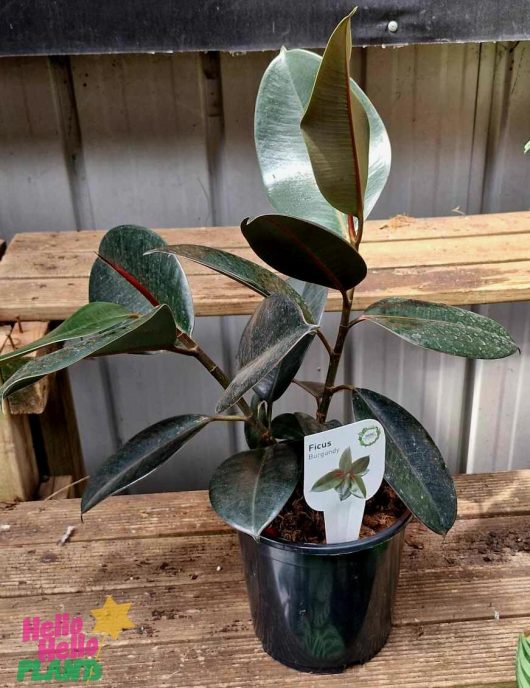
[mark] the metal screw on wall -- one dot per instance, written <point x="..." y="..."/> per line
<point x="392" y="26"/>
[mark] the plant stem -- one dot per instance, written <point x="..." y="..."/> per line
<point x="351" y="230"/>
<point x="355" y="236"/>
<point x="335" y="357"/>
<point x="215" y="371"/>
<point x="356" y="321"/>
<point x="324" y="341"/>
<point x="359" y="233"/>
<point x="342" y="388"/>
<point x="232" y="419"/>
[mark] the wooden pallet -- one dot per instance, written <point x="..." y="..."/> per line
<point x="460" y="260"/>
<point x="38" y="429"/>
<point x="462" y="599"/>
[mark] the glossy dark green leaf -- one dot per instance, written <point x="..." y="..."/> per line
<point x="523" y="662"/>
<point x="275" y="383"/>
<point x="306" y="251"/>
<point x="150" y="332"/>
<point x="442" y="328"/>
<point x="160" y="276"/>
<point x="329" y="481"/>
<point x="88" y="320"/>
<point x="244" y="271"/>
<point x="140" y="456"/>
<point x="282" y="154"/>
<point x="295" y="426"/>
<point x="286" y="427"/>
<point x="250" y="489"/>
<point x="414" y="466"/>
<point x="336" y="129"/>
<point x="313" y="295"/>
<point x="273" y="331"/>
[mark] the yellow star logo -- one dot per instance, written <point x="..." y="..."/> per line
<point x="112" y="618"/>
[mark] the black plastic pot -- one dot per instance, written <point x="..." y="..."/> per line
<point x="322" y="608"/>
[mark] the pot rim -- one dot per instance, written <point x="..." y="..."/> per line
<point x="339" y="547"/>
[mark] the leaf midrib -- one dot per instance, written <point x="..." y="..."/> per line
<point x="314" y="257"/>
<point x="376" y="316"/>
<point x="439" y="514"/>
<point x="358" y="189"/>
<point x="340" y="216"/>
<point x="255" y="490"/>
<point x="204" y="421"/>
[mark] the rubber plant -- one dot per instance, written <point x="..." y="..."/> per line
<point x="324" y="155"/>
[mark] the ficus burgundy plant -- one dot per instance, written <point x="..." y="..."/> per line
<point x="324" y="156"/>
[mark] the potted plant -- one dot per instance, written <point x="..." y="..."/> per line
<point x="325" y="157"/>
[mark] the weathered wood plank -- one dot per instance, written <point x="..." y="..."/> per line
<point x="457" y="595"/>
<point x="18" y="466"/>
<point x="463" y="270"/>
<point x="461" y="603"/>
<point x="53" y="438"/>
<point x="408" y="253"/>
<point x="200" y="610"/>
<point x="189" y="513"/>
<point x="58" y="437"/>
<point x="472" y="545"/>
<point x="398" y="228"/>
<point x="34" y="398"/>
<point x="53" y="299"/>
<point x="493" y="494"/>
<point x="443" y="655"/>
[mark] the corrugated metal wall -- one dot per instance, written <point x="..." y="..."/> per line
<point x="166" y="141"/>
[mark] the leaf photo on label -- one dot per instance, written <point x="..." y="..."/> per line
<point x="347" y="479"/>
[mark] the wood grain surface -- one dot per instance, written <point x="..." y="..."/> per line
<point x="460" y="260"/>
<point x="462" y="599"/>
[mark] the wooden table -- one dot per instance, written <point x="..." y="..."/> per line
<point x="462" y="600"/>
<point x="460" y="260"/>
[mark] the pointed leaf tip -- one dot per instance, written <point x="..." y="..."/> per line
<point x="155" y="330"/>
<point x="141" y="455"/>
<point x="92" y="318"/>
<point x="276" y="327"/>
<point x="443" y="328"/>
<point x="244" y="271"/>
<point x="249" y="489"/>
<point x="415" y="468"/>
<point x="274" y="384"/>
<point x="336" y="128"/>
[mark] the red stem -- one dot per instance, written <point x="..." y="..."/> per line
<point x="351" y="230"/>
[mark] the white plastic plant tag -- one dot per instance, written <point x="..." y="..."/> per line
<point x="343" y="468"/>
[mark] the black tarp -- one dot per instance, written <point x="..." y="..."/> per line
<point x="30" y="27"/>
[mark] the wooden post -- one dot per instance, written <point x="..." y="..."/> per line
<point x="56" y="434"/>
<point x="38" y="429"/>
<point x="19" y="476"/>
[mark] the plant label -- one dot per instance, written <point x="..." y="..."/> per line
<point x="343" y="468"/>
